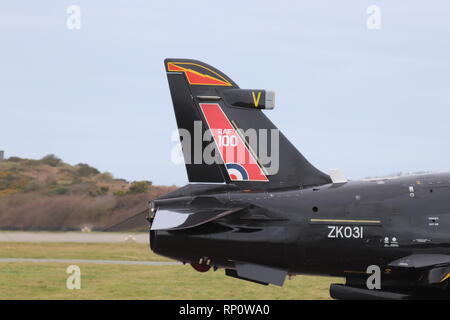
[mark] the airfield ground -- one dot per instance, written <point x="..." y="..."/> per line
<point x="47" y="280"/>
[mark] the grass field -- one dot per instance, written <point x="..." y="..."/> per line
<point x="48" y="280"/>
<point x="94" y="251"/>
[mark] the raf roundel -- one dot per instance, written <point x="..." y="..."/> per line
<point x="237" y="172"/>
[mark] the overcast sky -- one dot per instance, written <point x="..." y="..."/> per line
<point x="369" y="102"/>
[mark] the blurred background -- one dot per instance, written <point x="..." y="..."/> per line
<point x="87" y="115"/>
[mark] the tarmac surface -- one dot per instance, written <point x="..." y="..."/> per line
<point x="98" y="237"/>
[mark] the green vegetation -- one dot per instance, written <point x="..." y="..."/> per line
<point x="51" y="160"/>
<point x="49" y="194"/>
<point x="48" y="280"/>
<point x="59" y="190"/>
<point x="84" y="170"/>
<point x="95" y="251"/>
<point x="135" y="188"/>
<point x="140" y="186"/>
<point x="13" y="182"/>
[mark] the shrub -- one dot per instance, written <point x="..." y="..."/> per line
<point x="11" y="182"/>
<point x="59" y="191"/>
<point x="15" y="168"/>
<point x="85" y="170"/>
<point x="105" y="176"/>
<point x="51" y="160"/>
<point x="14" y="159"/>
<point x="31" y="162"/>
<point x="81" y="188"/>
<point x="120" y="193"/>
<point x="139" y="186"/>
<point x="33" y="185"/>
<point x="99" y="192"/>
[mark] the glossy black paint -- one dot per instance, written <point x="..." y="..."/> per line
<point x="276" y="228"/>
<point x="301" y="222"/>
<point x="293" y="169"/>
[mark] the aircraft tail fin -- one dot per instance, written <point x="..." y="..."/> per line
<point x="225" y="135"/>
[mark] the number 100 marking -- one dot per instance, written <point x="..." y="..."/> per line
<point x="228" y="141"/>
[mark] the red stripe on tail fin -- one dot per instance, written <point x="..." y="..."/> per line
<point x="240" y="163"/>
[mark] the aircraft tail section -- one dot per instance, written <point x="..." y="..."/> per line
<point x="225" y="135"/>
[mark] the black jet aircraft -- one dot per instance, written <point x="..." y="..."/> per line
<point x="262" y="222"/>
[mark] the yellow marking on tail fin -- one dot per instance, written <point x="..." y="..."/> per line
<point x="256" y="98"/>
<point x="445" y="277"/>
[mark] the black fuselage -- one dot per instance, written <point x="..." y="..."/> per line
<point x="335" y="229"/>
<point x="258" y="208"/>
